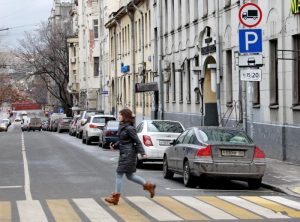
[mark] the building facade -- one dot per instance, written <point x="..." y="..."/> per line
<point x="130" y="60"/>
<point x="198" y="51"/>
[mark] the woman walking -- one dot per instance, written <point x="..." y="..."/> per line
<point x="129" y="146"/>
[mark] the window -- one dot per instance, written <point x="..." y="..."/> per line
<point x="197" y="94"/>
<point x="229" y="77"/>
<point x="181" y="87"/>
<point x="146" y="29"/>
<point x="166" y="16"/>
<point x="205" y="8"/>
<point x="136" y="35"/>
<point x="173" y="79"/>
<point x="188" y="137"/>
<point x="139" y="128"/>
<point x="181" y="138"/>
<point x="140" y="33"/>
<point x="96" y="29"/>
<point x="196" y="8"/>
<point x="149" y="27"/>
<point x="273" y="73"/>
<point x="296" y="70"/>
<point x="256" y="93"/>
<point x="167" y="93"/>
<point x="123" y="41"/>
<point x="128" y="38"/>
<point x="188" y="81"/>
<point x="164" y="127"/>
<point x="179" y="13"/>
<point x="96" y="66"/>
<point x="224" y="136"/>
<point x="187" y="11"/>
<point x="172" y="15"/>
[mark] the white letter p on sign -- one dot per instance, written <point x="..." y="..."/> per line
<point x="250" y="42"/>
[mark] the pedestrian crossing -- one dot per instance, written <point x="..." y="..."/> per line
<point x="160" y="208"/>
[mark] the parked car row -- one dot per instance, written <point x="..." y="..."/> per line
<point x="4" y="124"/>
<point x="195" y="153"/>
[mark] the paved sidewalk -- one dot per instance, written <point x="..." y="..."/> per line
<point x="282" y="176"/>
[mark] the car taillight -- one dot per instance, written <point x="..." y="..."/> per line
<point x="259" y="154"/>
<point x="147" y="140"/>
<point x="92" y="126"/>
<point x="204" y="152"/>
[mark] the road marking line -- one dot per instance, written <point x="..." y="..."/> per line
<point x="179" y="209"/>
<point x="93" y="210"/>
<point x="62" y="211"/>
<point x="229" y="208"/>
<point x="26" y="172"/>
<point x="262" y="211"/>
<point x="10" y="187"/>
<point x="187" y="189"/>
<point x="205" y="208"/>
<point x="287" y="202"/>
<point x="127" y="213"/>
<point x="31" y="211"/>
<point x="273" y="206"/>
<point x="5" y="211"/>
<point x="149" y="206"/>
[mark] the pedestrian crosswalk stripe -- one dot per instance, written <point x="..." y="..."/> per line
<point x="93" y="211"/>
<point x="273" y="206"/>
<point x="262" y="211"/>
<point x="127" y="212"/>
<point x="31" y="210"/>
<point x="62" y="211"/>
<point x="153" y="209"/>
<point x="284" y="201"/>
<point x="229" y="208"/>
<point x="5" y="211"/>
<point x="205" y="208"/>
<point x="180" y="209"/>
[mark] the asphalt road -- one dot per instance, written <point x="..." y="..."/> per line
<point x="47" y="172"/>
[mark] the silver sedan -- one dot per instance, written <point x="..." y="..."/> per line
<point x="215" y="152"/>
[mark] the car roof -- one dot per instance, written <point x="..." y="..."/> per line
<point x="103" y="115"/>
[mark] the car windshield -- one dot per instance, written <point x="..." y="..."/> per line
<point x="165" y="127"/>
<point x="102" y="119"/>
<point x="224" y="135"/>
<point x="113" y="124"/>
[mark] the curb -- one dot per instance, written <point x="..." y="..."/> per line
<point x="279" y="189"/>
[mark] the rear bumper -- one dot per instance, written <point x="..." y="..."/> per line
<point x="253" y="170"/>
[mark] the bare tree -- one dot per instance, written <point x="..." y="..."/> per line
<point x="46" y="52"/>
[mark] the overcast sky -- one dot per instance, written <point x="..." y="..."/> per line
<point x="26" y="13"/>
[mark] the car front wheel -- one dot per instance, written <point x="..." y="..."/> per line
<point x="188" y="179"/>
<point x="166" y="172"/>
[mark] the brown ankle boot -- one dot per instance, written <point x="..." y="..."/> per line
<point x="113" y="199"/>
<point x="151" y="188"/>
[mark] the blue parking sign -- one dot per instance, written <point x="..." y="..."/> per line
<point x="250" y="40"/>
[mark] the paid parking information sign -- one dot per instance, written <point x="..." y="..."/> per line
<point x="250" y="40"/>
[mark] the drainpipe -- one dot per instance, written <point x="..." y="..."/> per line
<point x="219" y="60"/>
<point x="283" y="86"/>
<point x="131" y="16"/>
<point x="161" y="82"/>
<point x="143" y="55"/>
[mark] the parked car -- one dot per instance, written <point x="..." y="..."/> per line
<point x="83" y="117"/>
<point x="93" y="126"/>
<point x="7" y="121"/>
<point x="64" y="124"/>
<point x="108" y="134"/>
<point x="215" y="152"/>
<point x="3" y="126"/>
<point x="53" y="123"/>
<point x="34" y="124"/>
<point x="72" y="126"/>
<point x="25" y="123"/>
<point x="156" y="136"/>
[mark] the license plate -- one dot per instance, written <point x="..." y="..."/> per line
<point x="164" y="142"/>
<point x="236" y="153"/>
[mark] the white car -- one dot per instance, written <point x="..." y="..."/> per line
<point x="156" y="136"/>
<point x="93" y="126"/>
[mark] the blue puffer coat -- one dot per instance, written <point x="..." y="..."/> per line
<point x="129" y="146"/>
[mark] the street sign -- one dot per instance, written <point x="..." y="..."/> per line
<point x="250" y="40"/>
<point x="251" y="75"/>
<point x="250" y="15"/>
<point x="250" y="60"/>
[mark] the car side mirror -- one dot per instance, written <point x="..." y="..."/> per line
<point x="173" y="143"/>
